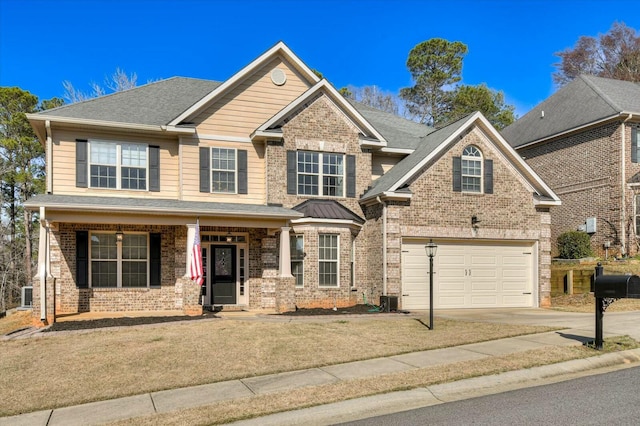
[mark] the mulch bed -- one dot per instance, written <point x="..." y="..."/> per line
<point x="129" y="321"/>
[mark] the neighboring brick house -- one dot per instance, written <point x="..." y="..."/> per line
<point x="583" y="142"/>
<point x="303" y="198"/>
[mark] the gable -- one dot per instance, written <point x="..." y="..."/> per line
<point x="252" y="101"/>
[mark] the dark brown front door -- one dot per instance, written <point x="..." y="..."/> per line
<point x="223" y="275"/>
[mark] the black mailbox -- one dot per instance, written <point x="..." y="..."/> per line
<point x="617" y="286"/>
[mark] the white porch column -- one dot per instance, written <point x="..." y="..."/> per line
<point x="191" y="234"/>
<point x="285" y="252"/>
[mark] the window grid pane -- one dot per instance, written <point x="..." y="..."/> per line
<point x="223" y="170"/>
<point x="471" y="169"/>
<point x="328" y="260"/>
<point x="103" y="176"/>
<point x="308" y="171"/>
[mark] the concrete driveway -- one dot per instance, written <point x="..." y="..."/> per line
<point x="614" y="323"/>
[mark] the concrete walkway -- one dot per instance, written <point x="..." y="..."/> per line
<point x="579" y="329"/>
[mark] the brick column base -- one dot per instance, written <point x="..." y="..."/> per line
<point x="285" y="294"/>
<point x="191" y="297"/>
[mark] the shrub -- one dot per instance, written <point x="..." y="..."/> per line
<point x="574" y="245"/>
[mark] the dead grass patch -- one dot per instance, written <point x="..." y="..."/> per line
<point x="15" y="321"/>
<point x="587" y="303"/>
<point x="69" y="368"/>
<point x="229" y="411"/>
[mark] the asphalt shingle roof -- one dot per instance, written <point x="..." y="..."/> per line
<point x="159" y="206"/>
<point x="155" y="103"/>
<point x="426" y="145"/>
<point x="584" y="100"/>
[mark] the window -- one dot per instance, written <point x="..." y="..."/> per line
<point x="297" y="258"/>
<point x="635" y="145"/>
<point x="223" y="170"/>
<point x="119" y="264"/>
<point x="320" y="174"/>
<point x="118" y="165"/>
<point x="471" y="169"/>
<point x="328" y="260"/>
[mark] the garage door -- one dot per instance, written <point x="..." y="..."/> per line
<point x="468" y="275"/>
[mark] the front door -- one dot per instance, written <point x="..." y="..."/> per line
<point x="223" y="275"/>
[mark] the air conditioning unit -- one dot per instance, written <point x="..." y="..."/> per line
<point x="389" y="303"/>
<point x="27" y="296"/>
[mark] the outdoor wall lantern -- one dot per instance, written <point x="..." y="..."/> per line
<point x="431" y="249"/>
<point x="119" y="236"/>
<point x="229" y="237"/>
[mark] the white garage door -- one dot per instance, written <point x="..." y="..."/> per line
<point x="468" y="275"/>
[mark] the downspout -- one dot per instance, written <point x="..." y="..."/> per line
<point x="49" y="159"/>
<point x="42" y="264"/>
<point x="384" y="245"/>
<point x="623" y="213"/>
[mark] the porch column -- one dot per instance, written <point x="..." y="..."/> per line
<point x="191" y="234"/>
<point x="285" y="252"/>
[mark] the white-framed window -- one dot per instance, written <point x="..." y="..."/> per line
<point x="118" y="165"/>
<point x="296" y="243"/>
<point x="320" y="173"/>
<point x="471" y="169"/>
<point x="119" y="264"/>
<point x="328" y="260"/>
<point x="223" y="170"/>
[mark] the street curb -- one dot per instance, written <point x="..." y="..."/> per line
<point x="394" y="402"/>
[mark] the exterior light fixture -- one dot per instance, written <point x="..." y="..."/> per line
<point x="431" y="249"/>
<point x="119" y="236"/>
<point x="229" y="237"/>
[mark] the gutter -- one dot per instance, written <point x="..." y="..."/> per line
<point x="114" y="124"/>
<point x="384" y="245"/>
<point x="42" y="264"/>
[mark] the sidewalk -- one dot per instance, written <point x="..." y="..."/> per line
<point x="176" y="399"/>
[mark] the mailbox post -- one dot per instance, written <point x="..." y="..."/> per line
<point x="608" y="289"/>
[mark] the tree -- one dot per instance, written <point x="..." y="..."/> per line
<point x="615" y="54"/>
<point x="22" y="166"/>
<point x="468" y="99"/>
<point x="117" y="82"/>
<point x="372" y="96"/>
<point x="434" y="65"/>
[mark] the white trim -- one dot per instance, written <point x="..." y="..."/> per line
<point x="360" y="122"/>
<point x="221" y="138"/>
<point x="49" y="158"/>
<point x="328" y="222"/>
<point x="113" y="124"/>
<point x="397" y="150"/>
<point x="529" y="174"/>
<point x="336" y="261"/>
<point x="280" y="48"/>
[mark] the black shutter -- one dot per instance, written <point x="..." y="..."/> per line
<point x="154" y="168"/>
<point x="82" y="174"/>
<point x="155" y="259"/>
<point x="82" y="259"/>
<point x="634" y="145"/>
<point x="488" y="176"/>
<point x="242" y="172"/>
<point x="351" y="175"/>
<point x="205" y="177"/>
<point x="457" y="174"/>
<point x="292" y="172"/>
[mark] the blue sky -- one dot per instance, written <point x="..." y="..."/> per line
<point x="352" y="42"/>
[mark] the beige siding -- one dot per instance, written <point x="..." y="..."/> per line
<point x="64" y="165"/>
<point x="255" y="172"/>
<point x="381" y="164"/>
<point x="251" y="103"/>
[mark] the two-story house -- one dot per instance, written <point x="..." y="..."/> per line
<point x="583" y="141"/>
<point x="303" y="198"/>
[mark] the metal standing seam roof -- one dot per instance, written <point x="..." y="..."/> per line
<point x="584" y="100"/>
<point x="327" y="209"/>
<point x="158" y="206"/>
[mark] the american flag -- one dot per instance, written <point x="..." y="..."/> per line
<point x="195" y="268"/>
